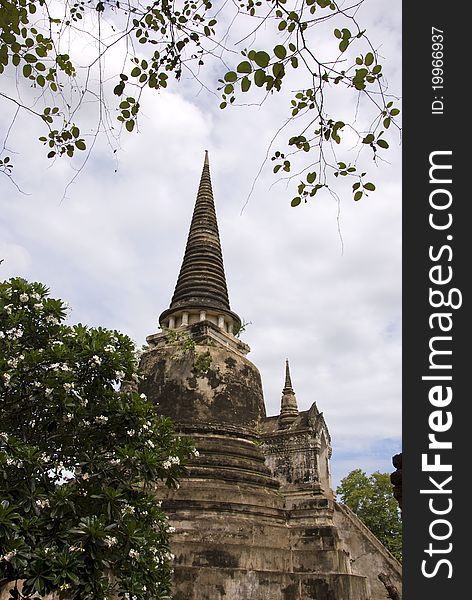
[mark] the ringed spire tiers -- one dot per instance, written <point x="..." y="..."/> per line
<point x="201" y="292"/>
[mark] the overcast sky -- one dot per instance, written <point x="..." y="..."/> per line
<point x="113" y="247"/>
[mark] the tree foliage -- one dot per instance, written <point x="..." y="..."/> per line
<point x="371" y="498"/>
<point x="60" y="50"/>
<point x="80" y="456"/>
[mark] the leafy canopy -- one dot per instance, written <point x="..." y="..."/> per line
<point x="103" y="55"/>
<point x="371" y="498"/>
<point x="80" y="455"/>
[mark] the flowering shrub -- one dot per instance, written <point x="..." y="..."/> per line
<point x="80" y="454"/>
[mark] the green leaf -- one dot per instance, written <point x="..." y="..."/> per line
<point x="386" y="122"/>
<point x="295" y="201"/>
<point x="129" y="125"/>
<point x="231" y="76"/>
<point x="280" y="52"/>
<point x="338" y="34"/>
<point x="118" y="90"/>
<point x="382" y="143"/>
<point x="245" y="84"/>
<point x="358" y="196"/>
<point x="369" y="59"/>
<point x="369" y="186"/>
<point x="27" y="70"/>
<point x="259" y="77"/>
<point x="229" y="89"/>
<point x="80" y="144"/>
<point x="282" y="25"/>
<point x="262" y="59"/>
<point x="368" y="139"/>
<point x="343" y="44"/>
<point x="244" y="67"/>
<point x="394" y="112"/>
<point x="311" y="177"/>
<point x="30" y="58"/>
<point x="135" y="72"/>
<point x="223" y="105"/>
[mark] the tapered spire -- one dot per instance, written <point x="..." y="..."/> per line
<point x="289" y="407"/>
<point x="201" y="284"/>
<point x="288" y="389"/>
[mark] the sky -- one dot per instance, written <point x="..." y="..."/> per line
<point x="319" y="284"/>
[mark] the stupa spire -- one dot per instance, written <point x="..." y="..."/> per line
<point x="288" y="405"/>
<point x="288" y="389"/>
<point x="201" y="285"/>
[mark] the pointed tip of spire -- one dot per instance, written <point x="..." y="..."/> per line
<point x="206" y="162"/>
<point x="289" y="407"/>
<point x="288" y="381"/>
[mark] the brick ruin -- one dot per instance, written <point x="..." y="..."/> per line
<point x="256" y="518"/>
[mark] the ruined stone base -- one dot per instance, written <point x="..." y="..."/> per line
<point x="196" y="583"/>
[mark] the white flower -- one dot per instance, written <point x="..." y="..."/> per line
<point x="128" y="510"/>
<point x="143" y="396"/>
<point x="131" y="432"/>
<point x="52" y="319"/>
<point x="24" y="297"/>
<point x="2" y="335"/>
<point x="97" y="360"/>
<point x="110" y="541"/>
<point x="9" y="556"/>
<point x="35" y="296"/>
<point x="171" y="529"/>
<point x="85" y="476"/>
<point x="119" y="374"/>
<point x="64" y="586"/>
<point x="196" y="453"/>
<point x="68" y="417"/>
<point x="134" y="554"/>
<point x="38" y="306"/>
<point x="65" y="368"/>
<point x="109" y="348"/>
<point x="115" y="461"/>
<point x="42" y="503"/>
<point x="48" y="391"/>
<point x="101" y="419"/>
<point x="68" y="386"/>
<point x="150" y="443"/>
<point x="7" y="377"/>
